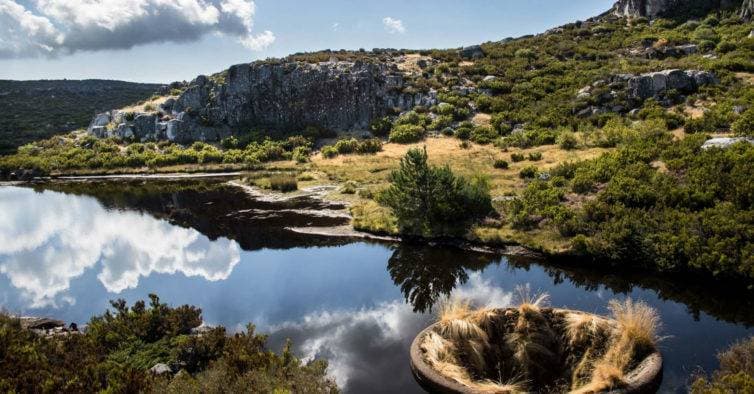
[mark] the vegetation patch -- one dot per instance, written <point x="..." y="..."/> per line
<point x="533" y="348"/>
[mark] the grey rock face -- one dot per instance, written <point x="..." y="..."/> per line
<point x="642" y="87"/>
<point x="747" y="12"/>
<point x="290" y="96"/>
<point x="471" y="52"/>
<point x="99" y="120"/>
<point x="658" y="8"/>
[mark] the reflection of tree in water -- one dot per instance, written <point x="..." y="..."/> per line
<point x="425" y="273"/>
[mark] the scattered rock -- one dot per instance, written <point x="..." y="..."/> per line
<point x="471" y="52"/>
<point x="160" y="369"/>
<point x="725" y="142"/>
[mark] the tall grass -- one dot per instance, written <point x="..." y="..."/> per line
<point x="283" y="183"/>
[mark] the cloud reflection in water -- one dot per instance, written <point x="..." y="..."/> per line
<point x="356" y="343"/>
<point x="48" y="240"/>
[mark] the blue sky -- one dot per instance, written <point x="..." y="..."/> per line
<point x="83" y="43"/>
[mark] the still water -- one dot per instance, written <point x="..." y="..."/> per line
<point x="68" y="248"/>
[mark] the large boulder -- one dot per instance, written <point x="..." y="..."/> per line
<point x="471" y="52"/>
<point x="100" y="120"/>
<point x="644" y="86"/>
<point x="725" y="142"/>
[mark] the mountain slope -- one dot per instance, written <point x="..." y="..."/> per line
<point x="33" y="110"/>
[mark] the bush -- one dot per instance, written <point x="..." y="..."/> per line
<point x="300" y="154"/>
<point x="369" y="146"/>
<point x="501" y="164"/>
<point x="381" y="127"/>
<point x="517" y="157"/>
<point x="744" y="125"/>
<point x="346" y="146"/>
<point x="118" y="347"/>
<point x="431" y="201"/>
<point x="568" y="141"/>
<point x="328" y="152"/>
<point x="406" y="134"/>
<point x="529" y="172"/>
<point x="535" y="156"/>
<point x="483" y="135"/>
<point x="736" y="373"/>
<point x="283" y="183"/>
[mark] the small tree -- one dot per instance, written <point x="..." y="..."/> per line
<point x="431" y="201"/>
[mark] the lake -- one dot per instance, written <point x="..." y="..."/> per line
<point x="67" y="248"/>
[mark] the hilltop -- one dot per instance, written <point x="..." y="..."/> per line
<point x="625" y="139"/>
<point x="34" y="110"/>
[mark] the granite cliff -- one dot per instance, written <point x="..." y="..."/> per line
<point x="288" y="96"/>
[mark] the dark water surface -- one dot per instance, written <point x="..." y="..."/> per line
<point x="68" y="248"/>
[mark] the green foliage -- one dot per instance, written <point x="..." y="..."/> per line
<point x="431" y="201"/>
<point x="744" y="125"/>
<point x="736" y="373"/>
<point x="528" y="172"/>
<point x="517" y="157"/>
<point x="501" y="164"/>
<point x="381" y="127"/>
<point x="85" y="152"/>
<point x="539" y="200"/>
<point x="352" y="145"/>
<point x="483" y="135"/>
<point x="117" y="349"/>
<point x="568" y="141"/>
<point x="406" y="134"/>
<point x="535" y="156"/>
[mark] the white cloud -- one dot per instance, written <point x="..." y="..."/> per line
<point x="258" y="42"/>
<point x="41" y="253"/>
<point x="65" y="26"/>
<point x="335" y="26"/>
<point x="393" y="26"/>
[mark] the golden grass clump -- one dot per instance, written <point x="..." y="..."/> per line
<point x="634" y="337"/>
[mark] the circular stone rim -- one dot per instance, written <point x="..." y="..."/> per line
<point x="644" y="378"/>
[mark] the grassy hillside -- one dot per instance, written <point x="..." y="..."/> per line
<point x="33" y="110"/>
<point x="574" y="160"/>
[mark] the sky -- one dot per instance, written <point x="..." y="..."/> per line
<point x="171" y="40"/>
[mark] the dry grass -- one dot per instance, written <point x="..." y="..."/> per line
<point x="634" y="337"/>
<point x="595" y="352"/>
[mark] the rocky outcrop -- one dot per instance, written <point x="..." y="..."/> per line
<point x="291" y="96"/>
<point x="669" y="8"/>
<point x="471" y="52"/>
<point x="624" y="92"/>
<point x="747" y="10"/>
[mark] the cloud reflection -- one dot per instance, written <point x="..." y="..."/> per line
<point x="364" y="346"/>
<point x="47" y="239"/>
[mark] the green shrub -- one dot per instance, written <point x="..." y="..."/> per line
<point x="744" y="125"/>
<point x="528" y="172"/>
<point x="483" y="135"/>
<point x="329" y="152"/>
<point x="301" y="154"/>
<point x="369" y="146"/>
<point x="431" y="201"/>
<point x="119" y="346"/>
<point x="381" y="127"/>
<point x="535" y="156"/>
<point x="406" y="134"/>
<point x="501" y="164"/>
<point x="517" y="157"/>
<point x="568" y="141"/>
<point x="345" y="147"/>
